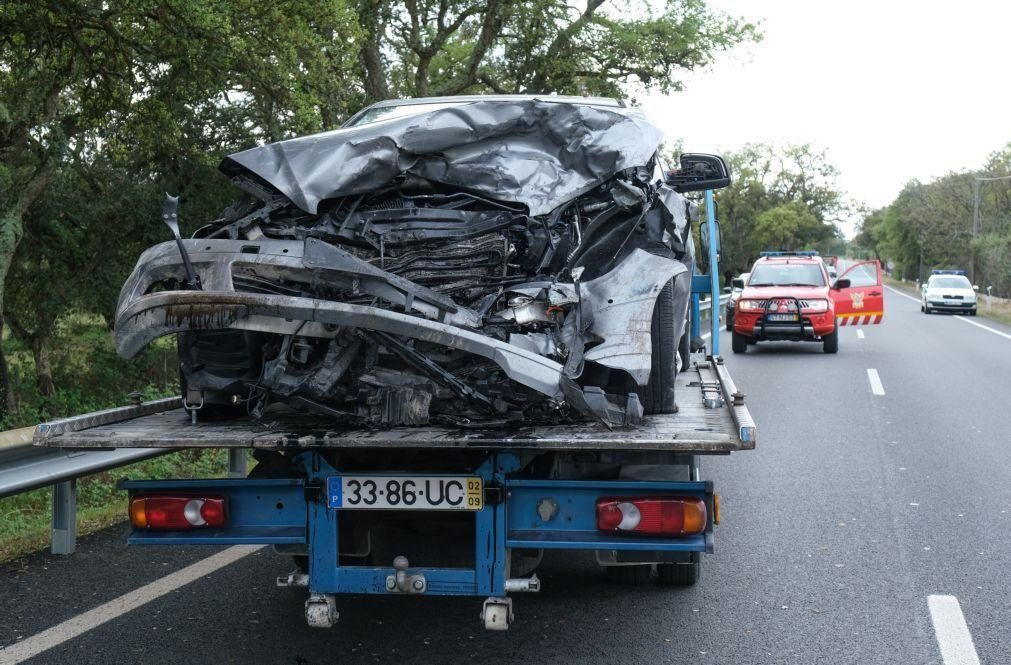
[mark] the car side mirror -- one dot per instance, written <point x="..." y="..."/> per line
<point x="843" y="283"/>
<point x="737" y="283"/>
<point x="975" y="287"/>
<point x="727" y="289"/>
<point x="699" y="172"/>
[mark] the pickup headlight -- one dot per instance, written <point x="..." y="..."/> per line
<point x="751" y="305"/>
<point x="816" y="306"/>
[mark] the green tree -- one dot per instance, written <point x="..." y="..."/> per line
<point x="789" y="225"/>
<point x="161" y="90"/>
<point x="781" y="198"/>
<point x="452" y="47"/>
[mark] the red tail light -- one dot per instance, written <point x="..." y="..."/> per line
<point x="177" y="512"/>
<point x="674" y="516"/>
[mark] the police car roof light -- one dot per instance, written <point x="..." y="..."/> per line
<point x="947" y="272"/>
<point x="789" y="253"/>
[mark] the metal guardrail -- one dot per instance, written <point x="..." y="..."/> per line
<point x="25" y="467"/>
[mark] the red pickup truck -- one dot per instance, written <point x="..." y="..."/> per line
<point x="788" y="296"/>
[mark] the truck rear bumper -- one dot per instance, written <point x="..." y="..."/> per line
<point x="517" y="513"/>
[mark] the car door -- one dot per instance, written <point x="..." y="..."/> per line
<point x="863" y="301"/>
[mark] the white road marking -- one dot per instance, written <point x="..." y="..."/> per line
<point x="904" y="295"/>
<point x="82" y="623"/>
<point x="860" y="333"/>
<point x="876" y="387"/>
<point x="960" y="318"/>
<point x="953" y="636"/>
<point x="980" y="325"/>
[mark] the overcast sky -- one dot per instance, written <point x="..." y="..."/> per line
<point x="894" y="90"/>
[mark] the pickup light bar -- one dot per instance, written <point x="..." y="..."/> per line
<point x="947" y="272"/>
<point x="652" y="516"/>
<point x="177" y="512"/>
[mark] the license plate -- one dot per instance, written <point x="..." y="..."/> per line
<point x="405" y="492"/>
<point x="782" y="317"/>
<point x="952" y="302"/>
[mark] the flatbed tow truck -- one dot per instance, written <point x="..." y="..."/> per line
<point x="471" y="510"/>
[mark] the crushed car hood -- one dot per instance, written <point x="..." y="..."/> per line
<point x="540" y="154"/>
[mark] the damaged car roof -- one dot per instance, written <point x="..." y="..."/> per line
<point x="539" y="153"/>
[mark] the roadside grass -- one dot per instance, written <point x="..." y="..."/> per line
<point x="1000" y="310"/>
<point x="89" y="376"/>
<point x="88" y="373"/>
<point x="25" y="519"/>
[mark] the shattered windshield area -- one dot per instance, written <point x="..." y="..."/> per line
<point x="787" y="274"/>
<point x="482" y="264"/>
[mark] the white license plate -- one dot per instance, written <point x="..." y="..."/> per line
<point x="782" y="317"/>
<point x="405" y="492"/>
<point x="952" y="302"/>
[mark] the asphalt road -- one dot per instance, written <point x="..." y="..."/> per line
<point x="855" y="509"/>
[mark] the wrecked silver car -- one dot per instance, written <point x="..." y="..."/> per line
<point x="470" y="261"/>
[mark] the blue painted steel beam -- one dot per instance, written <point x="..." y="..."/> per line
<point x="714" y="267"/>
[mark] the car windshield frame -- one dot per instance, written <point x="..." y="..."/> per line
<point x="949" y="282"/>
<point x="787" y="274"/>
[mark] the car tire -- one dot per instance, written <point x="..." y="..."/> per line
<point x="739" y="343"/>
<point x="657" y="396"/>
<point x="972" y="312"/>
<point x="730" y="321"/>
<point x="830" y="343"/>
<point x="633" y="575"/>
<point x="926" y="310"/>
<point x="678" y="574"/>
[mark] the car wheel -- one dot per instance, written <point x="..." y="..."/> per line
<point x="972" y="312"/>
<point x="678" y="574"/>
<point x="657" y="396"/>
<point x="739" y="343"/>
<point x="633" y="575"/>
<point x="830" y="342"/>
<point x="730" y="321"/>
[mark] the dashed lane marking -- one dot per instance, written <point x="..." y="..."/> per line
<point x="953" y="636"/>
<point x="93" y="618"/>
<point x="876" y="387"/>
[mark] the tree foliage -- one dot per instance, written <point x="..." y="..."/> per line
<point x="781" y="198"/>
<point x="451" y="47"/>
<point x="930" y="225"/>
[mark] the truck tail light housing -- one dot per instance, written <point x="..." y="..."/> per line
<point x="177" y="512"/>
<point x="652" y="516"/>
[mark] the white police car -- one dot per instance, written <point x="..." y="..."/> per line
<point x="948" y="291"/>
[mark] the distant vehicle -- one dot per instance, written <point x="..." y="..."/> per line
<point x="948" y="291"/>
<point x="735" y="295"/>
<point x="788" y="296"/>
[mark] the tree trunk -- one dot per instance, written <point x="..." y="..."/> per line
<point x="43" y="365"/>
<point x="370" y="16"/>
<point x="7" y="405"/>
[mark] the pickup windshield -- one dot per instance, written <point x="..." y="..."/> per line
<point x="787" y="274"/>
